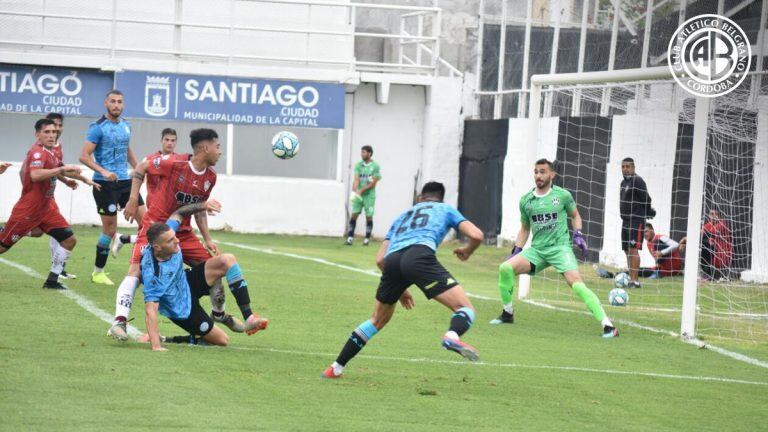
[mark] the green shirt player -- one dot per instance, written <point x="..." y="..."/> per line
<point x="545" y="211"/>
<point x="363" y="196"/>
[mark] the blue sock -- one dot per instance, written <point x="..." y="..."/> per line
<point x="461" y="320"/>
<point x="102" y="250"/>
<point x="239" y="289"/>
<point x="357" y="340"/>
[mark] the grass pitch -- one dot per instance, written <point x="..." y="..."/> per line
<point x="551" y="370"/>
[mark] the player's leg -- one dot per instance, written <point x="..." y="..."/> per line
<point x="351" y="226"/>
<point x="591" y="300"/>
<point x="634" y="242"/>
<point x="124" y="297"/>
<point x="368" y="203"/>
<point x="108" y="230"/>
<point x="66" y="241"/>
<point x="16" y="228"/>
<point x="456" y="300"/>
<point x="525" y="262"/>
<point x="120" y="240"/>
<point x="54" y="246"/>
<point x="225" y="265"/>
<point x="392" y="285"/>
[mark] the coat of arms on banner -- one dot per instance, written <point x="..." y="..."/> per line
<point x="157" y="96"/>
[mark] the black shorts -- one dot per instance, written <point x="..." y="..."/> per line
<point x="113" y="196"/>
<point x="632" y="233"/>
<point x="417" y="265"/>
<point x="198" y="322"/>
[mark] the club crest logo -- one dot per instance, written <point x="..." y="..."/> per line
<point x="206" y="185"/>
<point x="555" y="201"/>
<point x="156" y="163"/>
<point x="157" y="96"/>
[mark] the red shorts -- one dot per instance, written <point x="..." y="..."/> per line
<point x="21" y="223"/>
<point x="192" y="250"/>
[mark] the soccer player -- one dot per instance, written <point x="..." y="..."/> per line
<point x="175" y="292"/>
<point x="635" y="209"/>
<point x="367" y="176"/>
<point x="167" y="147"/>
<point x="108" y="143"/>
<point x="407" y="257"/>
<point x="183" y="179"/>
<point x="666" y="253"/>
<point x="4" y="166"/>
<point x="37" y="208"/>
<point x="545" y="211"/>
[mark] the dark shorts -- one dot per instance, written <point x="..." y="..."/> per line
<point x="113" y="196"/>
<point x="417" y="265"/>
<point x="632" y="233"/>
<point x="198" y="322"/>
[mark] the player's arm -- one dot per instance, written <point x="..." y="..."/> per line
<point x="150" y="309"/>
<point x="670" y="246"/>
<point x="137" y="179"/>
<point x="381" y="254"/>
<point x="132" y="158"/>
<point x="356" y="184"/>
<point x="201" y="219"/>
<point x="475" y="236"/>
<point x="86" y="158"/>
<point x="43" y="174"/>
<point x="370" y="185"/>
<point x="210" y="206"/>
<point x="576" y="223"/>
<point x="81" y="178"/>
<point x="4" y="166"/>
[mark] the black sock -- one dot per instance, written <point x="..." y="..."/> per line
<point x="368" y="229"/>
<point x="186" y="339"/>
<point x="352" y="226"/>
<point x="125" y="238"/>
<point x="52" y="278"/>
<point x="461" y="320"/>
<point x="102" y="253"/>
<point x="239" y="289"/>
<point x="356" y="342"/>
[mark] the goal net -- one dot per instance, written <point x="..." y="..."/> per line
<point x="588" y="129"/>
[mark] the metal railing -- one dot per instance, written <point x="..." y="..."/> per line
<point x="112" y="50"/>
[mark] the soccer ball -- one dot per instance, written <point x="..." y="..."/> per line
<point x="285" y="145"/>
<point x="618" y="297"/>
<point x="621" y="280"/>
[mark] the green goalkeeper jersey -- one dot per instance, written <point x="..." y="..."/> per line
<point x="366" y="172"/>
<point x="547" y="216"/>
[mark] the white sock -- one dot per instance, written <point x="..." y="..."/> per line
<point x="337" y="368"/>
<point x="452" y="335"/>
<point x="606" y="322"/>
<point x="60" y="257"/>
<point x="97" y="270"/>
<point x="124" y="298"/>
<point x="509" y="309"/>
<point x="54" y="245"/>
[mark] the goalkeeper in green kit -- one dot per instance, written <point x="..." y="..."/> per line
<point x="545" y="211"/>
<point x="363" y="196"/>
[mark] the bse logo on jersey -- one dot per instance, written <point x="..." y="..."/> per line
<point x="157" y="96"/>
<point x="184" y="198"/>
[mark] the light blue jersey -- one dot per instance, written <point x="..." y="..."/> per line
<point x="426" y="224"/>
<point x="165" y="282"/>
<point x="111" y="141"/>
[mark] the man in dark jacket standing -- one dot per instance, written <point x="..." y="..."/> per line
<point x="635" y="209"/>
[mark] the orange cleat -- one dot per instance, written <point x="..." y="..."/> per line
<point x="328" y="373"/>
<point x="255" y="324"/>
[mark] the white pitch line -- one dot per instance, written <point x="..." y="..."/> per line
<point x="700" y="344"/>
<point x="104" y="316"/>
<point x="83" y="302"/>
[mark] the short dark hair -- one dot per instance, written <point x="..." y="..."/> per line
<point x="43" y="122"/>
<point x="167" y="131"/>
<point x="649" y="225"/>
<point x="155" y="231"/>
<point x="628" y="159"/>
<point x="367" y="148"/>
<point x="55" y="116"/>
<point x="545" y="161"/>
<point x="113" y="92"/>
<point x="433" y="189"/>
<point x="201" y="134"/>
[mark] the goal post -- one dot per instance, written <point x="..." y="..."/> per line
<point x="578" y="84"/>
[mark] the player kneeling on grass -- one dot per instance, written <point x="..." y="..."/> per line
<point x="407" y="257"/>
<point x="545" y="211"/>
<point x="176" y="292"/>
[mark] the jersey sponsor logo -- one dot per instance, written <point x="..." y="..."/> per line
<point x="36" y="164"/>
<point x="544" y="218"/>
<point x="184" y="198"/>
<point x="157" y="95"/>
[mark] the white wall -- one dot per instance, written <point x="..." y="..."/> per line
<point x="759" y="270"/>
<point x="651" y="142"/>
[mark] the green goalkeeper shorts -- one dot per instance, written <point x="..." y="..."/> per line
<point x="365" y="202"/>
<point x="559" y="257"/>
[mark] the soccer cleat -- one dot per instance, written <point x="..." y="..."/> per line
<point x="116" y="244"/>
<point x="100" y="278"/>
<point x="634" y="284"/>
<point x="504" y="318"/>
<point x="54" y="285"/>
<point x="349" y="241"/>
<point x="231" y="322"/>
<point x="366" y="241"/>
<point x="459" y="347"/>
<point x="65" y="275"/>
<point x="610" y="332"/>
<point x="118" y="330"/>
<point x="328" y="373"/>
<point x="255" y="324"/>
